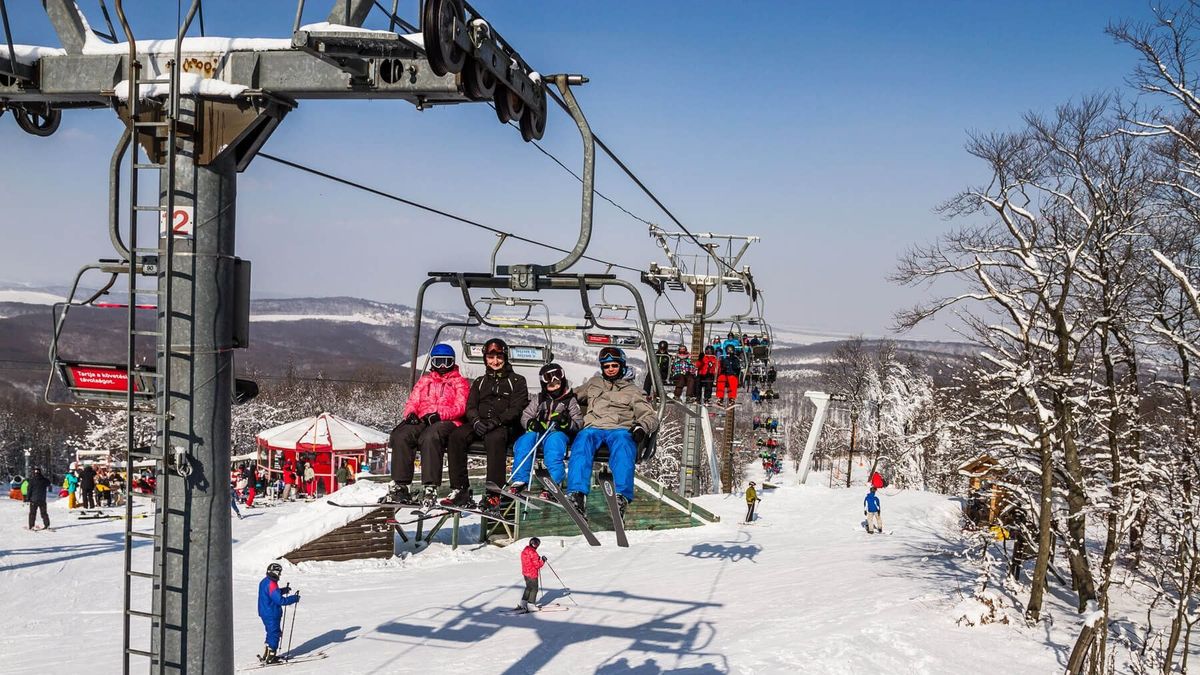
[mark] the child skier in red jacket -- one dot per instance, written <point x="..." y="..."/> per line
<point x="531" y="567"/>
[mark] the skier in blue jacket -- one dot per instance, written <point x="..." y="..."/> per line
<point x="271" y="601"/>
<point x="872" y="511"/>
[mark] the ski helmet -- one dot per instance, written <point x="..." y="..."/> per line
<point x="683" y="350"/>
<point x="662" y="345"/>
<point x="496" y="346"/>
<point x="441" y="358"/>
<point x="751" y="483"/>
<point x="274" y="570"/>
<point x="612" y="355"/>
<point x="535" y="542"/>
<point x="551" y="372"/>
<point x="709" y="350"/>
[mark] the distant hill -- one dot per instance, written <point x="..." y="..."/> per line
<point x="342" y="337"/>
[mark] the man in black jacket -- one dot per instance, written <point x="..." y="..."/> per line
<point x="36" y="492"/>
<point x="87" y="485"/>
<point x="494" y="408"/>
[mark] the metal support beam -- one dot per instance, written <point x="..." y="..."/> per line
<point x="197" y="555"/>
<point x="821" y="400"/>
<point x="350" y="12"/>
<point x="68" y="24"/>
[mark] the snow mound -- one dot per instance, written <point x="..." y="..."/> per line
<point x="29" y="54"/>
<point x="297" y="529"/>
<point x="189" y="84"/>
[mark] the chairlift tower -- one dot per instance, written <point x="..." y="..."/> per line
<point x="196" y="113"/>
<point x="721" y="255"/>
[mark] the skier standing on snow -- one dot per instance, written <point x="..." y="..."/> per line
<point x="494" y="407"/>
<point x="531" y="568"/>
<point x="873" y="511"/>
<point x="618" y="416"/>
<point x="555" y="412"/>
<point x="36" y="493"/>
<point x="271" y="601"/>
<point x="434" y="409"/>
<point x="751" y="500"/>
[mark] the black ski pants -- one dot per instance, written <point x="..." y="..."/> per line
<point x="430" y="440"/>
<point x="496" y="444"/>
<point x="89" y="498"/>
<point x="34" y="507"/>
<point x="531" y="590"/>
<point x="704" y="387"/>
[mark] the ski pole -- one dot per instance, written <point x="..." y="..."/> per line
<point x="560" y="583"/>
<point x="292" y="630"/>
<point x="533" y="450"/>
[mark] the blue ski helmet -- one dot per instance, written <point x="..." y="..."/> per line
<point x="441" y="358"/>
<point x="612" y="355"/>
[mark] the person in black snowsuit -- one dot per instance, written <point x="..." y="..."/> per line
<point x="36" y="493"/>
<point x="494" y="408"/>
<point x="662" y="358"/>
<point x="87" y="485"/>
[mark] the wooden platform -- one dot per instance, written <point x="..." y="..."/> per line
<point x="367" y="537"/>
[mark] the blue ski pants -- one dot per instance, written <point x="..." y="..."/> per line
<point x="554" y="450"/>
<point x="274" y="628"/>
<point x="621" y="454"/>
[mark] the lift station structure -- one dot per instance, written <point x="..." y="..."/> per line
<point x="196" y="112"/>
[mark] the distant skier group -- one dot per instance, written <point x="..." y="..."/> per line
<point x="446" y="414"/>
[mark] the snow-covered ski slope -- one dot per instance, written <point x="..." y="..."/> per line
<point x="802" y="590"/>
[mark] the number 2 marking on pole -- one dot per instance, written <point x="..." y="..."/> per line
<point x="181" y="222"/>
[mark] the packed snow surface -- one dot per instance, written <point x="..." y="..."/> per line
<point x="803" y="589"/>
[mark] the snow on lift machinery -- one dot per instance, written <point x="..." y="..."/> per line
<point x="553" y="277"/>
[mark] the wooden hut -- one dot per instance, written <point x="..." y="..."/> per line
<point x="985" y="496"/>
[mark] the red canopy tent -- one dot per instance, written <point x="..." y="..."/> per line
<point x="326" y="441"/>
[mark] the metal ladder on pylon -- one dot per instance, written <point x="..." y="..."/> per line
<point x="157" y="122"/>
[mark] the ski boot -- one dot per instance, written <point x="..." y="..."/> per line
<point x="492" y="503"/>
<point x="397" y="494"/>
<point x="579" y="501"/>
<point x="429" y="496"/>
<point x="515" y="488"/>
<point x="460" y="497"/>
<point x="269" y="656"/>
<point x="622" y="504"/>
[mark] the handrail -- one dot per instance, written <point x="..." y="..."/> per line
<point x="669" y="496"/>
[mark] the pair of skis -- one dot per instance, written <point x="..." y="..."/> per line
<point x="283" y="661"/>
<point x="614" y="508"/>
<point x="548" y="607"/>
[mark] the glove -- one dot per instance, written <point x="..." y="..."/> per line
<point x="482" y="427"/>
<point x="864" y="513"/>
<point x="543" y="558"/>
<point x="534" y="425"/>
<point x="639" y="433"/>
<point x="563" y="422"/>
<point x="432" y="418"/>
<point x="286" y="589"/>
<point x="412" y="418"/>
<point x="297" y="596"/>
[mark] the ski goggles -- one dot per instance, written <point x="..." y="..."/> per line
<point x="441" y="362"/>
<point x="611" y="355"/>
<point x="555" y="376"/>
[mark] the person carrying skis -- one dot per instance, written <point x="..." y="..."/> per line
<point x="531" y="569"/>
<point x="751" y="500"/>
<point x="555" y="414"/>
<point x="618" y="417"/>
<point x="872" y="511"/>
<point x="434" y="409"/>
<point x="728" y="374"/>
<point x="494" y="407"/>
<point x="36" y="495"/>
<point x="662" y="360"/>
<point x="271" y="601"/>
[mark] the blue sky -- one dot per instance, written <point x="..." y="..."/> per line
<point x="831" y="130"/>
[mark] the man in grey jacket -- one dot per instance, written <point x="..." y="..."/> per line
<point x="618" y="416"/>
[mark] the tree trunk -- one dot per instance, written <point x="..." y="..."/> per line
<point x="1045" y="534"/>
<point x="850" y="455"/>
<point x="1081" y="572"/>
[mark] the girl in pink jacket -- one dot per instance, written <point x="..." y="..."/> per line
<point x="434" y="409"/>
<point x="531" y="568"/>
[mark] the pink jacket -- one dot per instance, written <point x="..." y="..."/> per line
<point x="445" y="395"/>
<point x="531" y="562"/>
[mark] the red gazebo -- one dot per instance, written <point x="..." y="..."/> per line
<point x="326" y="441"/>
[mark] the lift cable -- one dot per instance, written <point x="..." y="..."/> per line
<point x="409" y="202"/>
<point x="629" y="172"/>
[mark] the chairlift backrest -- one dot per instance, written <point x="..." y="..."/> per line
<point x="523" y="355"/>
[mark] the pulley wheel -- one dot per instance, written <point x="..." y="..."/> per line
<point x="478" y="81"/>
<point x="533" y="122"/>
<point x="437" y="29"/>
<point x="39" y="121"/>
<point x="509" y="106"/>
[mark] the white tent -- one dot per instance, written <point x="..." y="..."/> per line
<point x="323" y="432"/>
<point x="325" y="442"/>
